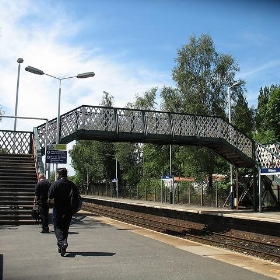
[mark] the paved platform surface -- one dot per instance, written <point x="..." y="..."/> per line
<point x="101" y="248"/>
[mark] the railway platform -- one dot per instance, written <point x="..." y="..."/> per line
<point x="264" y="216"/>
<point x="104" y="249"/>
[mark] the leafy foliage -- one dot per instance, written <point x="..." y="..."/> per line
<point x="202" y="76"/>
<point x="268" y="115"/>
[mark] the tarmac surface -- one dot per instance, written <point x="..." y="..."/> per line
<point x="101" y="248"/>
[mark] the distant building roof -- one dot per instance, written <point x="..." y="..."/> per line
<point x="216" y="177"/>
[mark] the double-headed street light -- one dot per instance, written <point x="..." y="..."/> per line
<point x="229" y="120"/>
<point x="79" y="76"/>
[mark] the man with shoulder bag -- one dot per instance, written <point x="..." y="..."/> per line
<point x="60" y="191"/>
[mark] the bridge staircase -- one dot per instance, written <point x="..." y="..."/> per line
<point x="17" y="181"/>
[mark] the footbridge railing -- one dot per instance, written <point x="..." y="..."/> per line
<point x="132" y="125"/>
<point x="16" y="142"/>
<point x="268" y="156"/>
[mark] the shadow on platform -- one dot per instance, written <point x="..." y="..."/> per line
<point x="89" y="254"/>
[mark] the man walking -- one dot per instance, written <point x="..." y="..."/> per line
<point x="62" y="213"/>
<point x="41" y="198"/>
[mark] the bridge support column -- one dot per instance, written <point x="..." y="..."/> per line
<point x="255" y="196"/>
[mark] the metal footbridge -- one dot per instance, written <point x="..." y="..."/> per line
<point x="157" y="127"/>
<point x="144" y="126"/>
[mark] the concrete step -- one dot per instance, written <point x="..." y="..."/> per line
<point x="18" y="184"/>
<point x="16" y="203"/>
<point x="17" y="189"/>
<point x="15" y="197"/>
<point x="16" y="193"/>
<point x="27" y="179"/>
<point x="18" y="222"/>
<point x="17" y="216"/>
<point x="9" y="211"/>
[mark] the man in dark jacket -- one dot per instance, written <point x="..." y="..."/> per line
<point x="41" y="198"/>
<point x="62" y="213"/>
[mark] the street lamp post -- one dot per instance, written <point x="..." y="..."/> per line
<point x="20" y="60"/>
<point x="79" y="76"/>
<point x="117" y="180"/>
<point x="229" y="120"/>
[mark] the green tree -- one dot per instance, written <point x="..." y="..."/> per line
<point x="107" y="99"/>
<point x="87" y="162"/>
<point x="268" y="115"/>
<point x="145" y="102"/>
<point x="130" y="155"/>
<point x="202" y="77"/>
<point x="243" y="116"/>
<point x="91" y="159"/>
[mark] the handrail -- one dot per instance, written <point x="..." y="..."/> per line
<point x="34" y="145"/>
<point x="37" y="153"/>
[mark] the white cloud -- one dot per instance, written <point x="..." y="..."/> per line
<point x="44" y="44"/>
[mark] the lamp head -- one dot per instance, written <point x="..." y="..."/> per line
<point x="20" y="60"/>
<point x="85" y="75"/>
<point x="34" y="70"/>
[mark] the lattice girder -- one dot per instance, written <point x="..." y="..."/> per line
<point x="121" y="124"/>
<point x="16" y="142"/>
<point x="149" y="126"/>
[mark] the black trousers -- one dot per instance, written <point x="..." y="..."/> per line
<point x="61" y="224"/>
<point x="44" y="212"/>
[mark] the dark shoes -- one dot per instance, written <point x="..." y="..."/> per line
<point x="45" y="231"/>
<point x="62" y="249"/>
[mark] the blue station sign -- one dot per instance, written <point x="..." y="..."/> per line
<point x="56" y="156"/>
<point x="167" y="177"/>
<point x="271" y="171"/>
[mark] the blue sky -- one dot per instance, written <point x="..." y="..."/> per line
<point x="131" y="45"/>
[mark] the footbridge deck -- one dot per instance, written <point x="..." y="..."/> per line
<point x="131" y="125"/>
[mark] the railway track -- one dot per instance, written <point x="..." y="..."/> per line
<point x="262" y="246"/>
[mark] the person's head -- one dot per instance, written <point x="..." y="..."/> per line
<point x="41" y="176"/>
<point x="61" y="172"/>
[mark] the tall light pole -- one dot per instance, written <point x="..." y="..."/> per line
<point x="20" y="60"/>
<point x="79" y="76"/>
<point x="117" y="180"/>
<point x="229" y="120"/>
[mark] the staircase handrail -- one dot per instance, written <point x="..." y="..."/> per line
<point x="39" y="165"/>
